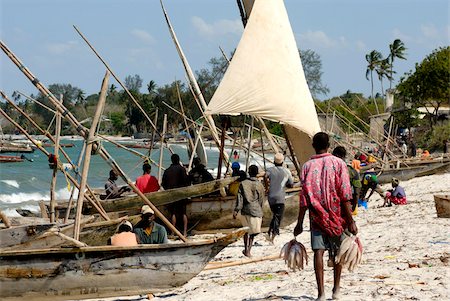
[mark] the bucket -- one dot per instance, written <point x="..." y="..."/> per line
<point x="362" y="203"/>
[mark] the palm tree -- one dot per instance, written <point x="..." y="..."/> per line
<point x="373" y="58"/>
<point x="80" y="97"/>
<point x="397" y="50"/>
<point x="383" y="71"/>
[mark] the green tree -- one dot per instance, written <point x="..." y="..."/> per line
<point x="373" y="59"/>
<point x="312" y="66"/>
<point x="382" y="70"/>
<point x="133" y="83"/>
<point x="428" y="85"/>
<point x="396" y="50"/>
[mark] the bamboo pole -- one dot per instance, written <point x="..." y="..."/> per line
<point x="161" y="148"/>
<point x="191" y="77"/>
<point x="37" y="102"/>
<point x="83" y="132"/>
<point x="55" y="170"/>
<point x="87" y="157"/>
<point x="249" y="147"/>
<point x="191" y="143"/>
<point x="116" y="78"/>
<point x="220" y="265"/>
<point x="222" y="147"/>
<point x="197" y="140"/>
<point x="291" y="151"/>
<point x="94" y="198"/>
<point x="153" y="136"/>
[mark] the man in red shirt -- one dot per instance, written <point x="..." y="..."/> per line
<point x="147" y="183"/>
<point x="327" y="193"/>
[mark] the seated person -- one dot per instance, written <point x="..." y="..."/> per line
<point x="198" y="173"/>
<point x="147" y="230"/>
<point x="147" y="183"/>
<point x="112" y="191"/>
<point x="396" y="195"/>
<point x="124" y="236"/>
<point x="234" y="187"/>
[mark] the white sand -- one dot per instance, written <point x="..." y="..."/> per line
<point x="407" y="249"/>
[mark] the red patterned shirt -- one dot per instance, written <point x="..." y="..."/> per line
<point x="325" y="185"/>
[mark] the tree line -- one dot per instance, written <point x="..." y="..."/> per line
<point x="426" y="86"/>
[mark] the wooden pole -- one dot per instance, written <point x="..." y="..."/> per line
<point x="153" y="136"/>
<point x="161" y="148"/>
<point x="222" y="146"/>
<point x="190" y="142"/>
<point x="83" y="132"/>
<point x="249" y="147"/>
<point x="291" y="151"/>
<point x="197" y="140"/>
<point x="87" y="157"/>
<point x="269" y="135"/>
<point x="55" y="169"/>
<point x="193" y="82"/>
<point x="69" y="206"/>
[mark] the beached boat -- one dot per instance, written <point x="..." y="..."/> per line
<point x="407" y="173"/>
<point x="442" y="203"/>
<point x="104" y="271"/>
<point x="10" y="159"/>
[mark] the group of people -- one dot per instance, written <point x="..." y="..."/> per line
<point x="330" y="191"/>
<point x="175" y="176"/>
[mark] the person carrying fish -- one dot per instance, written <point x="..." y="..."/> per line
<point x="327" y="193"/>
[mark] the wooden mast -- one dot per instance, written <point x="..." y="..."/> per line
<point x="87" y="157"/>
<point x="55" y="169"/>
<point x="161" y="148"/>
<point x="83" y="132"/>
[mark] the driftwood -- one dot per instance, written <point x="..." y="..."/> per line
<point x="219" y="265"/>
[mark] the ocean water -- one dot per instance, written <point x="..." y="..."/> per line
<point x="24" y="184"/>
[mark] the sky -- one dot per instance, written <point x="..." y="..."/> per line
<point x="133" y="38"/>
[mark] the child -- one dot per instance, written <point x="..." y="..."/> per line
<point x="396" y="195"/>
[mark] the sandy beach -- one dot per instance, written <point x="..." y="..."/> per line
<point x="406" y="256"/>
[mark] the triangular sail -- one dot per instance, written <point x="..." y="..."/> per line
<point x="265" y="77"/>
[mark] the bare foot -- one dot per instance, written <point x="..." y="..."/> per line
<point x="321" y="298"/>
<point x="247" y="254"/>
<point x="336" y="294"/>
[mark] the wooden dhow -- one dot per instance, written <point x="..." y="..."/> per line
<point x="104" y="271"/>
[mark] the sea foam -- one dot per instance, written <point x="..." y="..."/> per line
<point x="12" y="183"/>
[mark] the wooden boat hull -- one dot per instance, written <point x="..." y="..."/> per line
<point x="442" y="203"/>
<point x="404" y="174"/>
<point x="10" y="159"/>
<point x="98" y="272"/>
<point x="210" y="214"/>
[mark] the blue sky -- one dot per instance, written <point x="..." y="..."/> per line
<point x="133" y="38"/>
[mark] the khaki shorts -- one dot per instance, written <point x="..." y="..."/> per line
<point x="253" y="223"/>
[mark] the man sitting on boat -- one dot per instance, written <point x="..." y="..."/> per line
<point x="147" y="230"/>
<point x="124" y="236"/>
<point x="147" y="183"/>
<point x="198" y="173"/>
<point x="249" y="202"/>
<point x="396" y="195"/>
<point x="112" y="191"/>
<point x="234" y="187"/>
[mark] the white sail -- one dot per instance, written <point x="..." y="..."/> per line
<point x="265" y="77"/>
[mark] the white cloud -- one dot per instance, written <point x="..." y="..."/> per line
<point x="360" y="45"/>
<point x="219" y="27"/>
<point x="60" y="48"/>
<point x="143" y="36"/>
<point x="319" y="39"/>
<point x="429" y="31"/>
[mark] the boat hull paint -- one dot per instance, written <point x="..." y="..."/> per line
<point x="97" y="272"/>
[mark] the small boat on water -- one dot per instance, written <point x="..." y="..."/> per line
<point x="105" y="271"/>
<point x="65" y="145"/>
<point x="10" y="159"/>
<point x="442" y="203"/>
<point x="11" y="147"/>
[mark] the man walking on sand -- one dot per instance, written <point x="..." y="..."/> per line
<point x="326" y="192"/>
